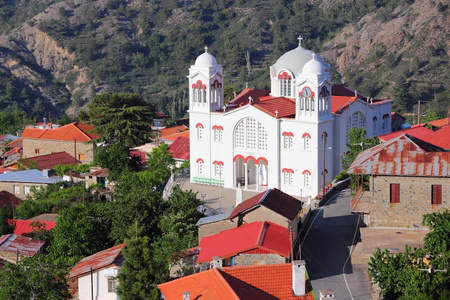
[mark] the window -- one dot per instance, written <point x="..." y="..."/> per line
<point x="285" y="84"/>
<point x="385" y="121"/>
<point x="199" y="92"/>
<point x="374" y="126"/>
<point x="436" y="194"/>
<point x="306" y="178"/>
<point x="306" y="141"/>
<point x="288" y="176"/>
<point x="218" y="133"/>
<point x="356" y="120"/>
<point x="112" y="284"/>
<point x="395" y="193"/>
<point x="16" y="189"/>
<point x="199" y="127"/>
<point x="250" y="135"/>
<point x="200" y="166"/>
<point x="80" y="156"/>
<point x="288" y="140"/>
<point x="36" y="151"/>
<point x="26" y="189"/>
<point x="218" y="169"/>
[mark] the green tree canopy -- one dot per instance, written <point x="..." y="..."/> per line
<point x="121" y="117"/>
<point x="160" y="162"/>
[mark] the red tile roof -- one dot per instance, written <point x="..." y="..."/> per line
<point x="440" y="123"/>
<point x="16" y="143"/>
<point x="441" y="137"/>
<point x="419" y="132"/>
<point x="172" y="130"/>
<point x="174" y="136"/>
<point x="74" y="131"/>
<point x="48" y="161"/>
<point x="266" y="236"/>
<point x="211" y="284"/>
<point x="100" y="173"/>
<point x="15" y="150"/>
<point x="239" y="282"/>
<point x="275" y="200"/>
<point x="6" y="198"/>
<point x="23" y="226"/>
<point x="405" y="156"/>
<point x="340" y="103"/>
<point x="25" y="246"/>
<point x="97" y="261"/>
<point x="180" y="148"/>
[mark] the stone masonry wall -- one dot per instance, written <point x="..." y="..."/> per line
<point x="51" y="146"/>
<point x="253" y="259"/>
<point x="415" y="200"/>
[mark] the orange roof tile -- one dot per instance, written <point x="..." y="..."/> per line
<point x="174" y="136"/>
<point x="96" y="261"/>
<point x="16" y="143"/>
<point x="440" y="123"/>
<point x="74" y="131"/>
<point x="172" y="130"/>
<point x="419" y="132"/>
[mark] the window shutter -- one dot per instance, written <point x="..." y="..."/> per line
<point x="436" y="194"/>
<point x="395" y="193"/>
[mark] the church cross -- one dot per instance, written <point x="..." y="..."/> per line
<point x="206" y="49"/>
<point x="300" y="40"/>
<point x="276" y="113"/>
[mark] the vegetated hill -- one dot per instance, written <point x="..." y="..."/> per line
<point x="57" y="55"/>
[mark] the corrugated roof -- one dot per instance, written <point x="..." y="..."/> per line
<point x="404" y="155"/>
<point x="212" y="219"/>
<point x="25" y="246"/>
<point x="23" y="226"/>
<point x="97" y="261"/>
<point x="6" y="198"/>
<point x="180" y="148"/>
<point x="30" y="176"/>
<point x="440" y="123"/>
<point x="257" y="235"/>
<point x="273" y="199"/>
<point x="48" y="161"/>
<point x="74" y="131"/>
<point x="8" y="137"/>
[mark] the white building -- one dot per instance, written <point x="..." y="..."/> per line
<point x="283" y="138"/>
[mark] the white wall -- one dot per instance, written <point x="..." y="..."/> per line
<point x="100" y="284"/>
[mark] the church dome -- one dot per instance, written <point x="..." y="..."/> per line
<point x="295" y="59"/>
<point x="314" y="67"/>
<point x="205" y="60"/>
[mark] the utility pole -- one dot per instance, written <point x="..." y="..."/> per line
<point x="418" y="114"/>
<point x="324" y="135"/>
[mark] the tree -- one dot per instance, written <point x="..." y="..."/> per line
<point x="80" y="230"/>
<point x="406" y="276"/>
<point x="5" y="215"/>
<point x="117" y="159"/>
<point x="33" y="278"/>
<point x="161" y="162"/>
<point x="120" y="117"/>
<point x="137" y="276"/>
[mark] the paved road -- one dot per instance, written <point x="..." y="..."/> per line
<point x="326" y="248"/>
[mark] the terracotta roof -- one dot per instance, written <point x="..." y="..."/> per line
<point x="180" y="148"/>
<point x="25" y="246"/>
<point x="242" y="98"/>
<point x="172" y="130"/>
<point x="266" y="236"/>
<point x="210" y="284"/>
<point x="23" y="226"/>
<point x="100" y="173"/>
<point x="48" y="161"/>
<point x="416" y="131"/>
<point x="6" y="198"/>
<point x="15" y="150"/>
<point x="96" y="261"/>
<point x="340" y="103"/>
<point x="238" y="282"/>
<point x="16" y="143"/>
<point x="441" y="137"/>
<point x="404" y="155"/>
<point x="277" y="107"/>
<point x="174" y="136"/>
<point x="274" y="199"/>
<point x="440" y="123"/>
<point x="74" y="131"/>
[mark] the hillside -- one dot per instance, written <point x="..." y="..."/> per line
<point x="57" y="55"/>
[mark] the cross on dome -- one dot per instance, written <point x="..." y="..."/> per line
<point x="206" y="49"/>
<point x="276" y="113"/>
<point x="300" y="40"/>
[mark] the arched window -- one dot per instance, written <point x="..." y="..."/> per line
<point x="199" y="92"/>
<point x="356" y="120"/>
<point x="288" y="176"/>
<point x="374" y="126"/>
<point x="285" y="84"/>
<point x="306" y="178"/>
<point x="218" y="169"/>
<point x="306" y="141"/>
<point x="250" y="134"/>
<point x="199" y="127"/>
<point x="218" y="133"/>
<point x="288" y="140"/>
<point x="306" y="97"/>
<point x="200" y="163"/>
<point x="385" y="121"/>
<point x="324" y="98"/>
<point x="215" y="92"/>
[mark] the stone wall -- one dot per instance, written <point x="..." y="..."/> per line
<point x="214" y="228"/>
<point x="10" y="187"/>
<point x="415" y="200"/>
<point x="44" y="147"/>
<point x="253" y="259"/>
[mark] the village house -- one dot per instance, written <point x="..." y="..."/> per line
<point x="408" y="178"/>
<point x="98" y="273"/>
<point x="75" y="139"/>
<point x="14" y="247"/>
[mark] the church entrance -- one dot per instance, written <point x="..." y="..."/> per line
<point x="250" y="173"/>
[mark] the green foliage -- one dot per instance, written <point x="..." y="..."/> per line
<point x="137" y="275"/>
<point x="357" y="142"/>
<point x="121" y="118"/>
<point x="5" y="215"/>
<point x="80" y="230"/>
<point x="398" y="275"/>
<point x="116" y="158"/>
<point x="160" y="162"/>
<point x="39" y="232"/>
<point x="67" y="169"/>
<point x="33" y="278"/>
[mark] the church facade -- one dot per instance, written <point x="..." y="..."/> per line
<point x="289" y="138"/>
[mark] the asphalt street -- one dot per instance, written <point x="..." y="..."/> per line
<point x="327" y="246"/>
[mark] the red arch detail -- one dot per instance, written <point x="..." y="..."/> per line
<point x="262" y="159"/>
<point x="216" y="84"/>
<point x="248" y="158"/>
<point x="199" y="85"/>
<point x="301" y="92"/>
<point x="217" y="127"/>
<point x="306" y="134"/>
<point x="286" y="74"/>
<point x="218" y="163"/>
<point x="287" y="133"/>
<point x="200" y="160"/>
<point x="238" y="156"/>
<point x="287" y="170"/>
<point x="199" y="125"/>
<point x="306" y="172"/>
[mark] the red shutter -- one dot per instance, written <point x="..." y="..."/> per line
<point x="395" y="193"/>
<point x="436" y="194"/>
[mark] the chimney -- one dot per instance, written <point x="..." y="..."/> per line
<point x="186" y="295"/>
<point x="299" y="277"/>
<point x="326" y="294"/>
<point x="217" y="262"/>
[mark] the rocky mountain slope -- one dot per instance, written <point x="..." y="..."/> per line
<point x="61" y="56"/>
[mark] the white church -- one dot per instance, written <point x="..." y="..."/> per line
<point x="290" y="137"/>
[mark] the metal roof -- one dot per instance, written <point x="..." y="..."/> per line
<point x="98" y="260"/>
<point x="404" y="155"/>
<point x="212" y="219"/>
<point x="22" y="245"/>
<point x="29" y="176"/>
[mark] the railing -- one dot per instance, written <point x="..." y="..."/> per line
<point x="172" y="181"/>
<point x="355" y="199"/>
